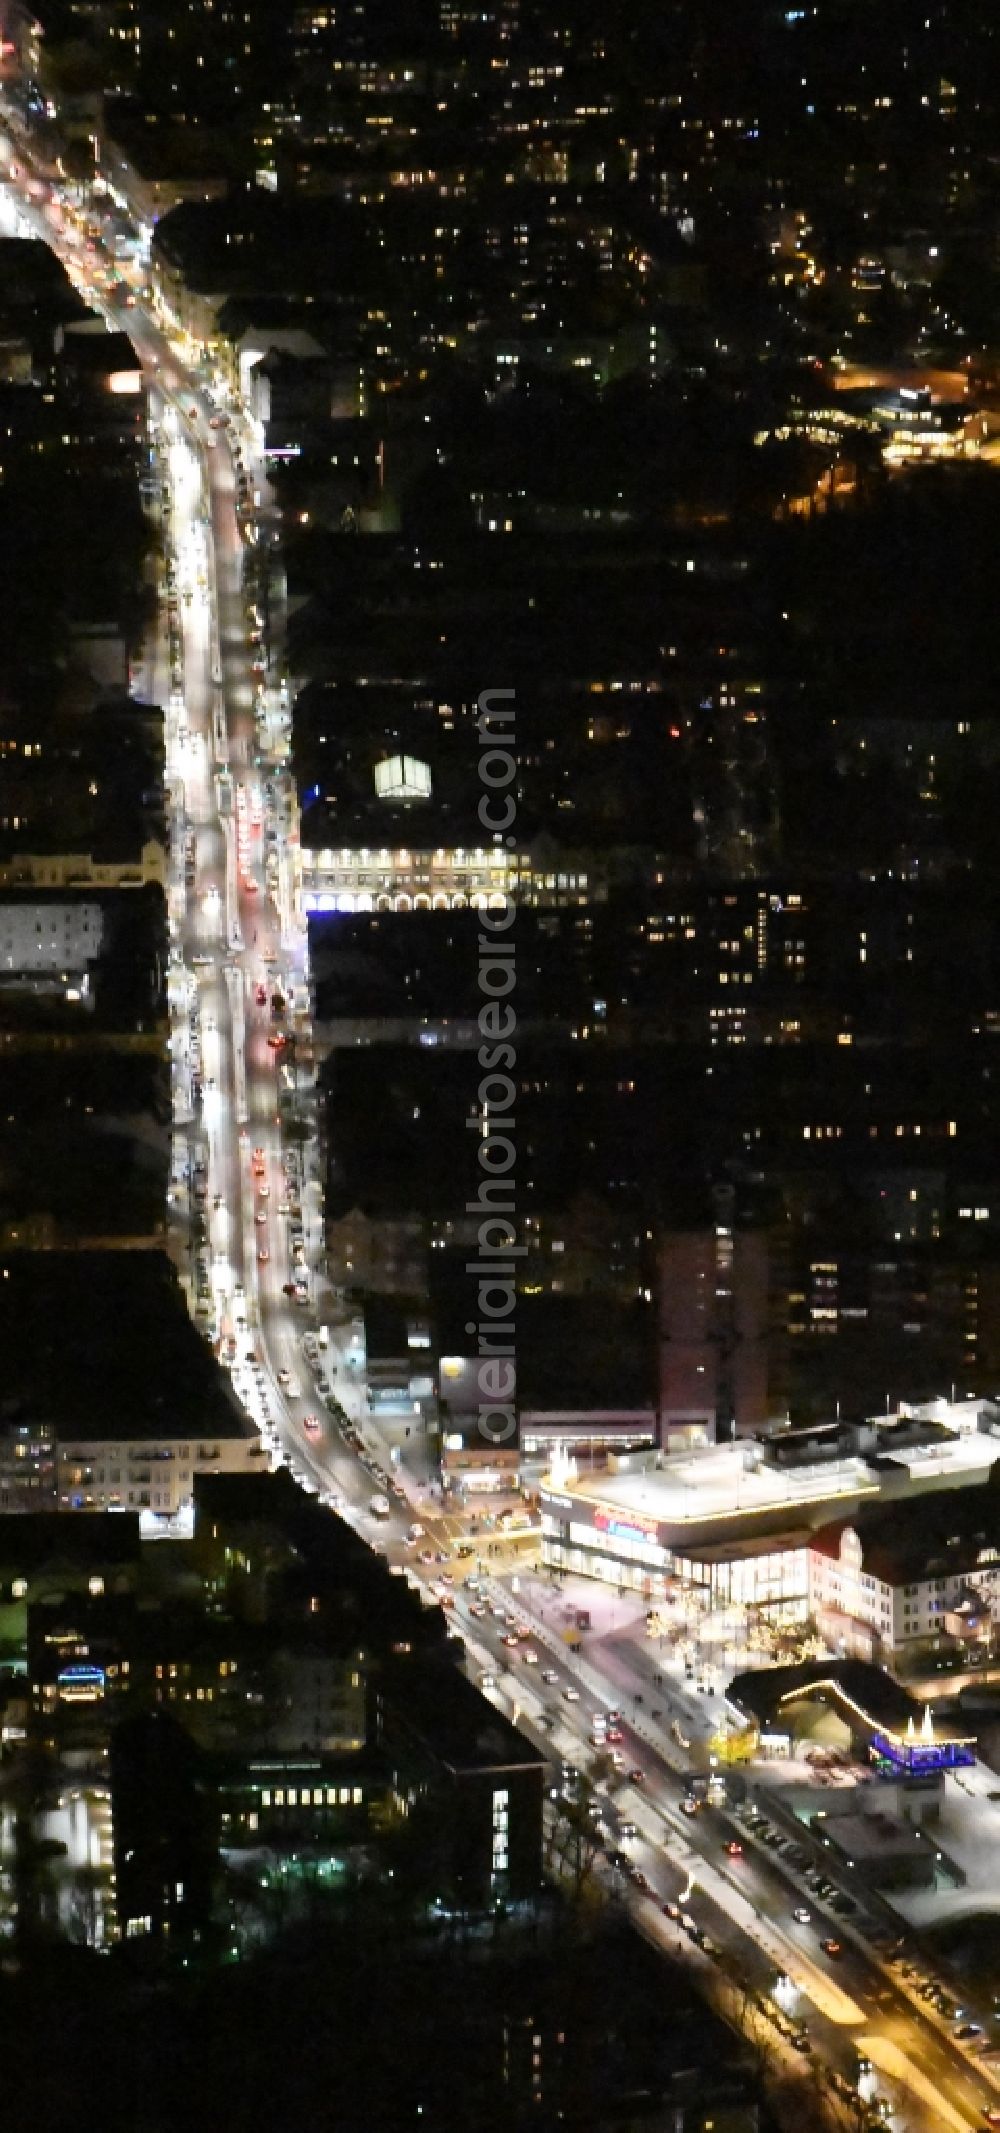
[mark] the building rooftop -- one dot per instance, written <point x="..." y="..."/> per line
<point x="40" y="1541"/>
<point x="84" y="1149"/>
<point x="945" y="1530"/>
<point x="325" y="1557"/>
<point x="713" y="1494"/>
<point x="440" y="1707"/>
<point x="100" y="1345"/>
<point x="868" y="1839"/>
<point x="82" y="961"/>
<point x="867" y="1690"/>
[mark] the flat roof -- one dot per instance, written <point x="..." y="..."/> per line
<point x="99" y="1346"/>
<point x="718" y="1484"/>
<point x="945" y="1455"/>
<point x="440" y="1708"/>
<point x="39" y="1540"/>
<point x="874" y="1836"/>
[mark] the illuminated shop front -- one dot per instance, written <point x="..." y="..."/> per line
<point x="769" y="1577"/>
<point x="621" y="1549"/>
<point x="631" y="1550"/>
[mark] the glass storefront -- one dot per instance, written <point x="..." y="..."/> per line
<point x="594" y="1562"/>
<point x="766" y="1581"/>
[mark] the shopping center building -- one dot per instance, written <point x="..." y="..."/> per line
<point x="736" y="1524"/>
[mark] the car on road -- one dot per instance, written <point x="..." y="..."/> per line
<point x="801" y="1916"/>
<point x="637" y="1776"/>
<point x="529" y="1656"/>
<point x="969" y="2030"/>
<point x="260" y="1218"/>
<point x="263" y="1255"/>
<point x="510" y="1640"/>
<point x="312" y="1425"/>
<point x="477" y="1608"/>
<point x="672" y="1910"/>
<point x="572" y="1695"/>
<point x="734" y="1848"/>
<point x="831" y="1947"/>
<point x="550" y="1675"/>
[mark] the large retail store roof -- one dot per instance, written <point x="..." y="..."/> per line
<point x="720" y="1485"/>
<point x="761" y="1485"/>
